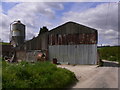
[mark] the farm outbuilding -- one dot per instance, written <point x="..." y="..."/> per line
<point x="73" y="43"/>
<point x="17" y="33"/>
<point x="70" y="43"/>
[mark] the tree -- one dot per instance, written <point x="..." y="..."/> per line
<point x="43" y="30"/>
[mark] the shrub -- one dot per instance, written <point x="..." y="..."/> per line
<point x="112" y="58"/>
<point x="100" y="63"/>
<point x="110" y="53"/>
<point x="35" y="75"/>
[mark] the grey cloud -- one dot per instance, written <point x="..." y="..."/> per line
<point x="58" y="6"/>
<point x="61" y="0"/>
<point x="33" y="15"/>
<point x="104" y="18"/>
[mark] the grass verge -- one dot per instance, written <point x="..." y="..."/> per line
<point x="35" y="75"/>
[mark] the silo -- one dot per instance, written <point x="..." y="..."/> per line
<point x="17" y="33"/>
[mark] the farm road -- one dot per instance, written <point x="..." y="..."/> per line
<point x="91" y="76"/>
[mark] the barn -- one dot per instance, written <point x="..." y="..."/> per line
<point x="70" y="43"/>
<point x="73" y="43"/>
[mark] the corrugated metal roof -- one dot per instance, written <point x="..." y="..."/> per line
<point x="72" y="27"/>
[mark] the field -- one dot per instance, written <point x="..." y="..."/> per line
<point x="4" y="43"/>
<point x="35" y="75"/>
<point x="110" y="53"/>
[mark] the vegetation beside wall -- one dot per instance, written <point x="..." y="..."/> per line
<point x="110" y="53"/>
<point x="4" y="43"/>
<point x="35" y="75"/>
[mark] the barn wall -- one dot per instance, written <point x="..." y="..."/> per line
<point x="21" y="55"/>
<point x="38" y="43"/>
<point x="6" y="50"/>
<point x="74" y="54"/>
<point x="72" y="39"/>
<point x="44" y="41"/>
<point x="70" y="42"/>
<point x="30" y="56"/>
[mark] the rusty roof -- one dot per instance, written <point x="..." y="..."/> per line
<point x="73" y="26"/>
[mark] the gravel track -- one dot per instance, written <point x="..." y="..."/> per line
<point x="92" y="76"/>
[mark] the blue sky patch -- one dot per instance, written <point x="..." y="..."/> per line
<point x="6" y="6"/>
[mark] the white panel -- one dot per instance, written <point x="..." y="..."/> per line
<point x="64" y="54"/>
<point x="89" y="55"/>
<point x="15" y="33"/>
<point x="81" y="52"/>
<point x="74" y="54"/>
<point x="61" y="53"/>
<point x="50" y="53"/>
<point x="71" y="54"/>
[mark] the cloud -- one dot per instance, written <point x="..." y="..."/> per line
<point x="4" y="34"/>
<point x="0" y="8"/>
<point x="61" y="1"/>
<point x="31" y="9"/>
<point x="0" y="19"/>
<point x="104" y="18"/>
<point x="33" y="15"/>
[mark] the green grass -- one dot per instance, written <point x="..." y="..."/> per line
<point x="35" y="75"/>
<point x="4" y="43"/>
<point x="110" y="53"/>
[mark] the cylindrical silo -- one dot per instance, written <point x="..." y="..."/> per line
<point x="17" y="33"/>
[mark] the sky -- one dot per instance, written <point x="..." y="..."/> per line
<point x="102" y="16"/>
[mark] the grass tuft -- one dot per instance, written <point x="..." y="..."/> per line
<point x="35" y="75"/>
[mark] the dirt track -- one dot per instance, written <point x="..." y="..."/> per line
<point x="91" y="76"/>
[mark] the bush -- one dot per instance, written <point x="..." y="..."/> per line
<point x="35" y="75"/>
<point x="100" y="63"/>
<point x="112" y="58"/>
<point x="110" y="53"/>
